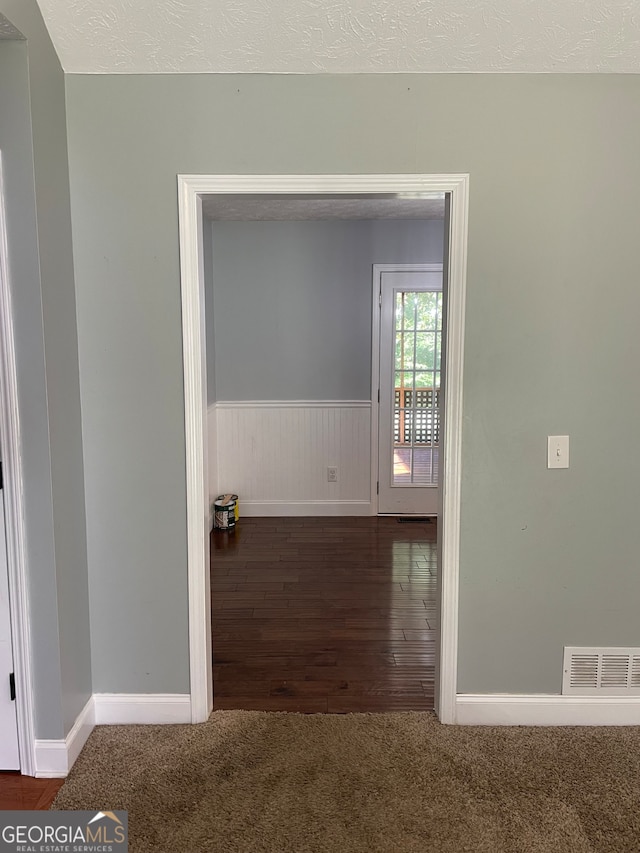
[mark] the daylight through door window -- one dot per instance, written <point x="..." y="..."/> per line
<point x="416" y="418"/>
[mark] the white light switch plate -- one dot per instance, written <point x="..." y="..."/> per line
<point x="558" y="451"/>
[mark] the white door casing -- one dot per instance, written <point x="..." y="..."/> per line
<point x="9" y="755"/>
<point x="395" y="494"/>
<point x="191" y="188"/>
<point x="14" y="517"/>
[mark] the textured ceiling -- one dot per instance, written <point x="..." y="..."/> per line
<point x="233" y="208"/>
<point x="345" y="36"/>
<point x="8" y="31"/>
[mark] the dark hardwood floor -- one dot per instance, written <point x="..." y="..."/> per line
<point x="24" y="792"/>
<point x="324" y="615"/>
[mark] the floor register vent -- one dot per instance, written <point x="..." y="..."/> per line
<point x="598" y="671"/>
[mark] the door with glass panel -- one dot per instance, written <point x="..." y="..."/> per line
<point x="410" y="369"/>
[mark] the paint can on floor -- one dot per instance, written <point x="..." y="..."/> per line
<point x="224" y="515"/>
<point x="231" y="499"/>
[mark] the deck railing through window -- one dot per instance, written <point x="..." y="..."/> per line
<point x="419" y="422"/>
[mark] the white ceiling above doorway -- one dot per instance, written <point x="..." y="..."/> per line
<point x="344" y="36"/>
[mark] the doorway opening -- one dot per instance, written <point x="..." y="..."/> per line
<point x="323" y="190"/>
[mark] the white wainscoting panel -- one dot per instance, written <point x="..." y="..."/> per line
<point x="212" y="456"/>
<point x="275" y="456"/>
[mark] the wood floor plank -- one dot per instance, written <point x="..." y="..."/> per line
<point x="419" y="635"/>
<point x="297" y="704"/>
<point x="339" y="704"/>
<point x="26" y="793"/>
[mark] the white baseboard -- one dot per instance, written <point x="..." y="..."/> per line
<point x="54" y="758"/>
<point x="141" y="708"/>
<point x="256" y="509"/>
<point x="504" y="709"/>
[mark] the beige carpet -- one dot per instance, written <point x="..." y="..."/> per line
<point x="251" y="782"/>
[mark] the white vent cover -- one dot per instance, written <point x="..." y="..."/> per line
<point x="608" y="671"/>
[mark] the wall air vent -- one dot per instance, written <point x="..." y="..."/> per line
<point x="602" y="671"/>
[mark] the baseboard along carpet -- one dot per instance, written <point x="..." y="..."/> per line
<point x="255" y="782"/>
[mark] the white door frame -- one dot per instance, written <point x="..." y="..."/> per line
<point x="191" y="188"/>
<point x="14" y="511"/>
<point x="376" y="312"/>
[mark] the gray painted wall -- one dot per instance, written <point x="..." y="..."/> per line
<point x="292" y="304"/>
<point x="548" y="557"/>
<point x="61" y="635"/>
<point x="24" y="271"/>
